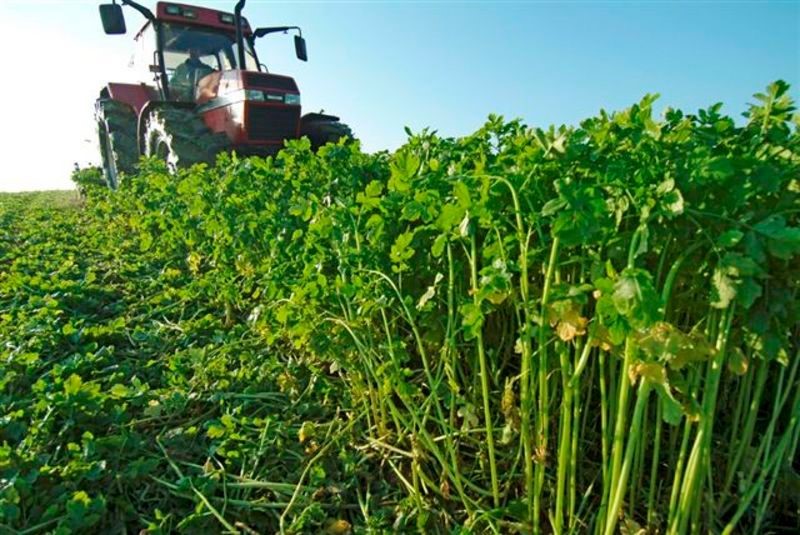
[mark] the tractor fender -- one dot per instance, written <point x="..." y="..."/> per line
<point x="311" y="117"/>
<point x="148" y="109"/>
<point x="134" y="95"/>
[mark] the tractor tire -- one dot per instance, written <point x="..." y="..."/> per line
<point x="116" y="130"/>
<point x="322" y="132"/>
<point x="180" y="138"/>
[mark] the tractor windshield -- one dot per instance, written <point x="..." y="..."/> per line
<point x="191" y="53"/>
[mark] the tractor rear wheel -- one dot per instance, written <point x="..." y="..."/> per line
<point x="324" y="131"/>
<point x="116" y="130"/>
<point x="180" y="138"/>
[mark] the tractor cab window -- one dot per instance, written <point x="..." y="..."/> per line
<point x="191" y="53"/>
<point x="144" y="56"/>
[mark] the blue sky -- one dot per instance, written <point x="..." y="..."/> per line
<point x="383" y="65"/>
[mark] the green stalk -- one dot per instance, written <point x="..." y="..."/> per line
<point x="701" y="448"/>
<point x="620" y="427"/>
<point x="568" y="437"/>
<point x="777" y="456"/>
<point x="651" y="493"/>
<point x="669" y="282"/>
<point x="604" y="438"/>
<point x="451" y="350"/>
<point x="525" y="380"/>
<point x="424" y="437"/>
<point x="764" y="449"/>
<point x="543" y="422"/>
<point x="744" y="390"/>
<point x="573" y="456"/>
<point x="747" y="434"/>
<point x="487" y="410"/>
<point x="679" y="467"/>
<point x="632" y="446"/>
<point x="638" y="469"/>
<point x="564" y="439"/>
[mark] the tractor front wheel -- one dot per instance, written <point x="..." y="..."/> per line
<point x="180" y="138"/>
<point x="116" y="130"/>
<point x="322" y="130"/>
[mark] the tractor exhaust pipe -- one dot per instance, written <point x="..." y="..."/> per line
<point x="237" y="15"/>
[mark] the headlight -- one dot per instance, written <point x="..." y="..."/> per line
<point x="292" y="99"/>
<point x="252" y="94"/>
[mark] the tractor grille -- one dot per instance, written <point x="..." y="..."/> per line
<point x="272" y="123"/>
<point x="269" y="81"/>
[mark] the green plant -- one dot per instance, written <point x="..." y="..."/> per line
<point x="523" y="330"/>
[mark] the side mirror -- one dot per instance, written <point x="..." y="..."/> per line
<point x="113" y="19"/>
<point x="300" y="48"/>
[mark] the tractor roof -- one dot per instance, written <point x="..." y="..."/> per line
<point x="199" y="16"/>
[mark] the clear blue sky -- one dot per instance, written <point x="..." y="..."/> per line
<point x="383" y="65"/>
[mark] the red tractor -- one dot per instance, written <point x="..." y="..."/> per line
<point x="201" y="90"/>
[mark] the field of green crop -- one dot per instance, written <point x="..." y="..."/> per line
<point x="574" y="330"/>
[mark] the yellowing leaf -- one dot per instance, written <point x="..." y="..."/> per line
<point x="737" y="362"/>
<point x="566" y="316"/>
<point x="306" y="431"/>
<point x="338" y="527"/>
<point x="653" y="372"/>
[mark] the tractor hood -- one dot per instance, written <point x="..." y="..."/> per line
<point x="222" y="87"/>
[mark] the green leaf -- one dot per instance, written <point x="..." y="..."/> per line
<point x="635" y="297"/>
<point x="671" y="409"/>
<point x="119" y="391"/>
<point x="666" y="186"/>
<point x="553" y="206"/>
<point x="438" y="245"/>
<point x="145" y="241"/>
<point x="403" y="167"/>
<point x="73" y="385"/>
<point x="216" y="431"/>
<point x="402" y="250"/>
<point x="227" y="421"/>
<point x="747" y="293"/>
<point x="461" y="193"/>
<point x="783" y="242"/>
<point x="449" y="217"/>
<point x="730" y="238"/>
<point x="374" y="189"/>
<point x="471" y="320"/>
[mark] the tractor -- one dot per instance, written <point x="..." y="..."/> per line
<point x="199" y="89"/>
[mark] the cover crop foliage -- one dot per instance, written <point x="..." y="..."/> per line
<point x="571" y="330"/>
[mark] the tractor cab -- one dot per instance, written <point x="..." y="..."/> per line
<point x="201" y="90"/>
<point x="190" y="53"/>
<point x="183" y="44"/>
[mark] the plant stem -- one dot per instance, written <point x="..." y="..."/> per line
<point x="700" y="450"/>
<point x="651" y="493"/>
<point x="618" y="492"/>
<point x="525" y="329"/>
<point x="543" y="418"/>
<point x="487" y="410"/>
<point x="620" y="424"/>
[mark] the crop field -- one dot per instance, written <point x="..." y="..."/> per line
<point x="570" y="330"/>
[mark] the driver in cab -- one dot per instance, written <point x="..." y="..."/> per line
<point x="188" y="74"/>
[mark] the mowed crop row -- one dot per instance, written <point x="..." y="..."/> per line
<point x="573" y="330"/>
